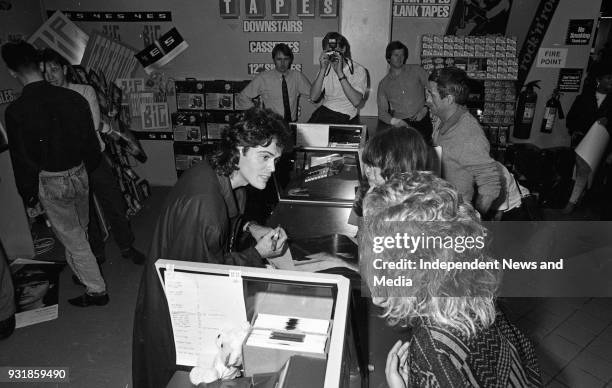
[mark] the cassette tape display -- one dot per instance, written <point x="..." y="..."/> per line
<point x="187" y="127"/>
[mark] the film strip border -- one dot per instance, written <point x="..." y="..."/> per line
<point x="103" y="16"/>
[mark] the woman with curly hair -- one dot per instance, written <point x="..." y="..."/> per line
<point x="459" y="337"/>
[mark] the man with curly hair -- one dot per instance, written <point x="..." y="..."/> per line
<point x="200" y="221"/>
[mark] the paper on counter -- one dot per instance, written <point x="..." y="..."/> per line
<point x="285" y="261"/>
<point x="322" y="261"/>
<point x="200" y="307"/>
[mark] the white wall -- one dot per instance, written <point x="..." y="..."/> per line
<point x="577" y="57"/>
<point x="367" y="26"/>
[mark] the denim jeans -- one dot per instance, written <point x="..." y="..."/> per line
<point x="65" y="197"/>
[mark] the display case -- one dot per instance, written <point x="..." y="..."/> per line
<point x="244" y="293"/>
<point x="325" y="168"/>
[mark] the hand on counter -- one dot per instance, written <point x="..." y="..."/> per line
<point x="272" y="243"/>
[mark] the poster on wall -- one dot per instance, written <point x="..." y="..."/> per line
<point x="535" y="35"/>
<point x="579" y="31"/>
<point x="114" y="59"/>
<point x="569" y="80"/>
<point x="63" y="36"/>
<point x="154" y="116"/>
<point x="472" y="17"/>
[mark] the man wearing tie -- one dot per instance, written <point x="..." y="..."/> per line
<point x="279" y="89"/>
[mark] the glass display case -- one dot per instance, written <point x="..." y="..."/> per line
<point x="325" y="165"/>
<point x="326" y="176"/>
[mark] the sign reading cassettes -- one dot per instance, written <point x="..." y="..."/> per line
<point x="256" y="68"/>
<point x="266" y="46"/>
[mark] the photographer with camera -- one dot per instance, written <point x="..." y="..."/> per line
<point x="342" y="88"/>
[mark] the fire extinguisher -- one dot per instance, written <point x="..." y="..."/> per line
<point x="525" y="110"/>
<point x="553" y="107"/>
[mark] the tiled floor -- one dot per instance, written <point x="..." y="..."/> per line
<point x="573" y="338"/>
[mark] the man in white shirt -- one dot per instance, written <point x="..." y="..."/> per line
<point x="341" y="81"/>
<point x="280" y="88"/>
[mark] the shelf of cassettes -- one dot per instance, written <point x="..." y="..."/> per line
<point x="483" y="57"/>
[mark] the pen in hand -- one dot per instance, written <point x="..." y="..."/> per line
<point x="275" y="237"/>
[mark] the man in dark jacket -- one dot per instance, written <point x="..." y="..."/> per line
<point x="590" y="106"/>
<point x="53" y="145"/>
<point x="200" y="221"/>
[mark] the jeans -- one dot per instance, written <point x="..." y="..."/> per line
<point x="65" y="197"/>
<point x="103" y="183"/>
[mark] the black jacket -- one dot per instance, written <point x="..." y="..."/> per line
<point x="49" y="128"/>
<point x="584" y="112"/>
<point x="198" y="222"/>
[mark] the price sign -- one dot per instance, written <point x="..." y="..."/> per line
<point x="154" y="116"/>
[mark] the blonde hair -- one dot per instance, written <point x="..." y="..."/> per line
<point x="420" y="204"/>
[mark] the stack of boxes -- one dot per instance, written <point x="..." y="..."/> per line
<point x="492" y="61"/>
<point x="204" y="108"/>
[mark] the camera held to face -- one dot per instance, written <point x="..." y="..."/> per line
<point x="332" y="52"/>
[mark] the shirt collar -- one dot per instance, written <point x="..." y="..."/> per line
<point x="280" y="75"/>
<point x="233" y="198"/>
<point x="32" y="87"/>
<point x="446" y="125"/>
